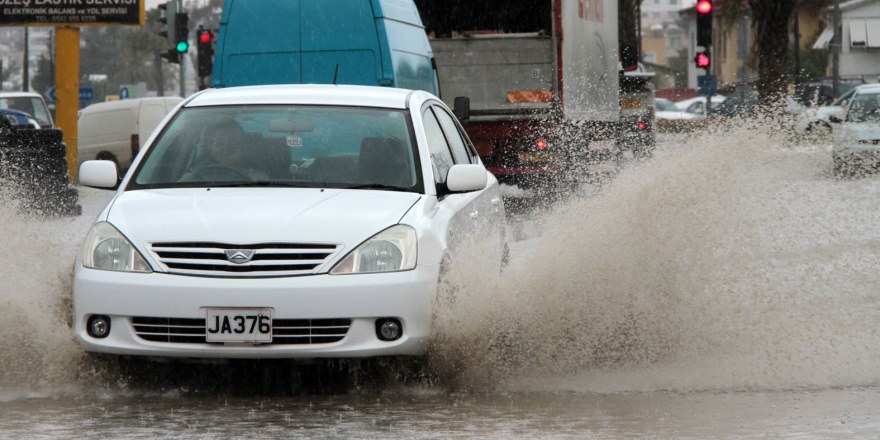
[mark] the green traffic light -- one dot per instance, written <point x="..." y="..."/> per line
<point x="182" y="46"/>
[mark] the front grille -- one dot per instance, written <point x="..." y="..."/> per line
<point x="284" y="331"/>
<point x="269" y="259"/>
<point x="870" y="141"/>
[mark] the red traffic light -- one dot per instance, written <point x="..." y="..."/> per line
<point x="704" y="6"/>
<point x="702" y="59"/>
<point x="205" y="37"/>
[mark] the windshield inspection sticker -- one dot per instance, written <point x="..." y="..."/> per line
<point x="294" y="141"/>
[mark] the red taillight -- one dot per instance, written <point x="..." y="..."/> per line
<point x="541" y="144"/>
<point x="642" y="125"/>
<point x="135" y="145"/>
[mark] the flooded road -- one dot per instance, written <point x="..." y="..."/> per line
<point x="728" y="287"/>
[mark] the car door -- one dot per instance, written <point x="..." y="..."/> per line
<point x="474" y="217"/>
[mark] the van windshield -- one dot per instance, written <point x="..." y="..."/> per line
<point x="282" y="145"/>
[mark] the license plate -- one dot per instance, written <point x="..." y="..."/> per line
<point x="238" y="325"/>
<point x="631" y="103"/>
<point x="536" y="157"/>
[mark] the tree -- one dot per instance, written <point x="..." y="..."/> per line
<point x="628" y="19"/>
<point x="44" y="77"/>
<point x="771" y="21"/>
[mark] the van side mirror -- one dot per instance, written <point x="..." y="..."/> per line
<point x="462" y="108"/>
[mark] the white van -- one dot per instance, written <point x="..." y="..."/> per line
<point x="117" y="130"/>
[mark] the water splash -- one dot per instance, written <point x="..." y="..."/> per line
<point x="729" y="261"/>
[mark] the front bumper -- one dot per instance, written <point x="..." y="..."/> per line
<point x="362" y="299"/>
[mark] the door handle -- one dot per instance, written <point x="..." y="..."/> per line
<point x="474" y="215"/>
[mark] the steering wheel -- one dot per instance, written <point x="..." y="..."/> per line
<point x="220" y="172"/>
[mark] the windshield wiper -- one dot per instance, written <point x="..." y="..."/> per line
<point x="261" y="183"/>
<point x="379" y="186"/>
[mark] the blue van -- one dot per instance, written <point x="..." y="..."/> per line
<point x="360" y="42"/>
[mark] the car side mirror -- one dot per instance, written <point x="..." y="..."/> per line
<point x="462" y="108"/>
<point x="466" y="178"/>
<point x="836" y="114"/>
<point x="98" y="174"/>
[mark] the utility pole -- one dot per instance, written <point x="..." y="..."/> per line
<point x="25" y="81"/>
<point x="835" y="52"/>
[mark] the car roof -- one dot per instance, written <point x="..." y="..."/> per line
<point x="308" y="94"/>
<point x="871" y="88"/>
<point x="127" y="103"/>
<point x="20" y="94"/>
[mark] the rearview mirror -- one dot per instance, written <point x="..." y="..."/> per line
<point x="288" y="126"/>
<point x="466" y="177"/>
<point x="462" y="108"/>
<point x="98" y="174"/>
<point x="836" y="114"/>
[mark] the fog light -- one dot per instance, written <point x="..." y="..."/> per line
<point x="388" y="329"/>
<point x="98" y="326"/>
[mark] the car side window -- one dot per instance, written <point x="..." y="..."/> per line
<point x="441" y="156"/>
<point x="460" y="150"/>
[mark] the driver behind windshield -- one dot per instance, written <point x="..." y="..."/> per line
<point x="224" y="157"/>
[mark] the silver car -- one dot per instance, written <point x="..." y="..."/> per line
<point x="857" y="140"/>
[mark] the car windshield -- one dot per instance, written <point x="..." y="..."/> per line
<point x="666" y="106"/>
<point x="31" y="105"/>
<point x="285" y="146"/>
<point x="865" y="107"/>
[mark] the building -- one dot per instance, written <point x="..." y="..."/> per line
<point x="860" y="38"/>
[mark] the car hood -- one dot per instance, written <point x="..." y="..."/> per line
<point x="859" y="132"/>
<point x="257" y="215"/>
<point x="678" y="116"/>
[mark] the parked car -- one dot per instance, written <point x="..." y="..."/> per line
<point x="116" y="130"/>
<point x="29" y="102"/>
<point x="286" y="221"/>
<point x="11" y="119"/>
<point x="817" y="120"/>
<point x="697" y="105"/>
<point x="672" y="119"/>
<point x="856" y="141"/>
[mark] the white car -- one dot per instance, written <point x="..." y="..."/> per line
<point x="672" y="119"/>
<point x="29" y="102"/>
<point x="697" y="105"/>
<point x="818" y="120"/>
<point x="856" y="141"/>
<point x="294" y="221"/>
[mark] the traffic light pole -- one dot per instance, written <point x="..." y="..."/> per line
<point x="67" y="91"/>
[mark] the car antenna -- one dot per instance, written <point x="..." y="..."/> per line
<point x="335" y="74"/>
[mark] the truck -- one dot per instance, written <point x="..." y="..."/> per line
<point x="359" y="42"/>
<point x="535" y="83"/>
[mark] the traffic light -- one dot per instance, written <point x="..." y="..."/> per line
<point x="205" y="47"/>
<point x="167" y="14"/>
<point x="704" y="23"/>
<point x="703" y="60"/>
<point x="181" y="32"/>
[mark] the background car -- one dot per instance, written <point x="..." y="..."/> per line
<point x="30" y="103"/>
<point x="10" y="119"/>
<point x="817" y="119"/>
<point x="856" y="140"/>
<point x="697" y="105"/>
<point x="295" y="221"/>
<point x="673" y="119"/>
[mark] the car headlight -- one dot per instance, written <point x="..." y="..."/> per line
<point x="107" y="249"/>
<point x="391" y="250"/>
